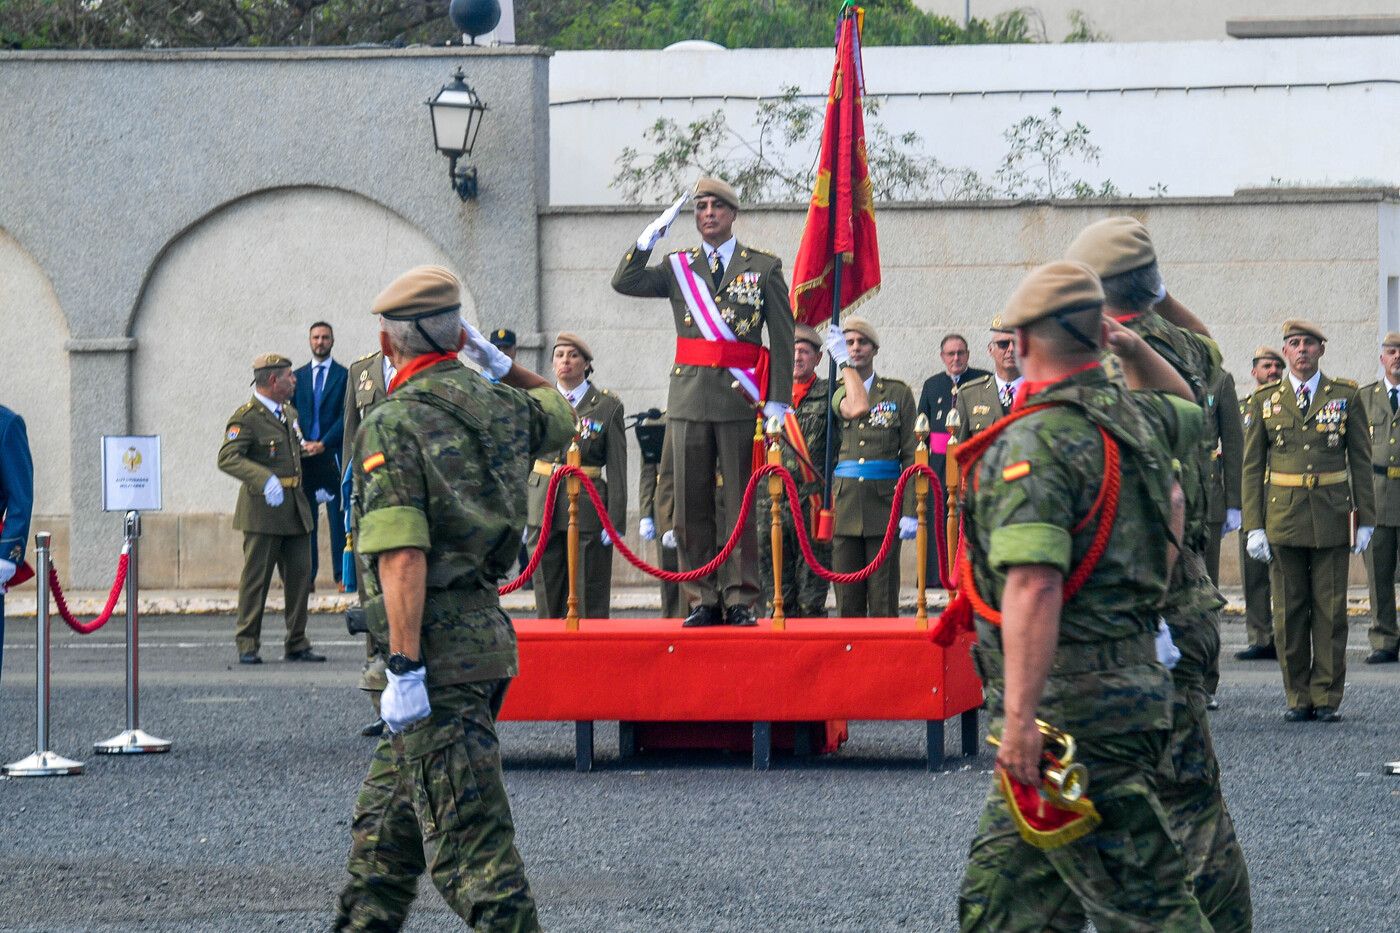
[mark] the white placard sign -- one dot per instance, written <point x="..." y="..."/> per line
<point x="131" y="473"/>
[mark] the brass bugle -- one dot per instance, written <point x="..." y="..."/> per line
<point x="1065" y="779"/>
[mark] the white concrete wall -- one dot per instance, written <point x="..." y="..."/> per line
<point x="1154" y="20"/>
<point x="1156" y="110"/>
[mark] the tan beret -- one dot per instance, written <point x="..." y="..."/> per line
<point x="420" y="292"/>
<point x="807" y="334"/>
<point x="1392" y="339"/>
<point x="1266" y="353"/>
<point x="567" y="339"/>
<point x="863" y="327"/>
<point x="717" y="188"/>
<point x="270" y="361"/>
<point x="1113" y="246"/>
<point x="999" y="326"/>
<point x="1295" y="327"/>
<point x="1055" y="286"/>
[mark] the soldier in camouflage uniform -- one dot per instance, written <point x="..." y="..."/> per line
<point x="439" y="473"/>
<point x="1090" y="665"/>
<point x="804" y="593"/>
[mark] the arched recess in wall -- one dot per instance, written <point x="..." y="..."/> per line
<point x="249" y="278"/>
<point x="35" y="380"/>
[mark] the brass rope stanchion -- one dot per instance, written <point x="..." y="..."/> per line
<point x="921" y="541"/>
<point x="951" y="480"/>
<point x="573" y="458"/>
<point x="774" y="429"/>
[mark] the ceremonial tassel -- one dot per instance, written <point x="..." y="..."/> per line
<point x="758" y="458"/>
<point x="953" y="621"/>
<point x="347" y="567"/>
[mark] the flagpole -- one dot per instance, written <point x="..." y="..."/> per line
<point x="835" y="302"/>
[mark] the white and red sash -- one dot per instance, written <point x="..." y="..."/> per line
<point x="752" y="379"/>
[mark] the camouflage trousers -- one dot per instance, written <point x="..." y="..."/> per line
<point x="434" y="799"/>
<point x="804" y="593"/>
<point x="1126" y="875"/>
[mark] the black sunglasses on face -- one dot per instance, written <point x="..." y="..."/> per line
<point x="1001" y="344"/>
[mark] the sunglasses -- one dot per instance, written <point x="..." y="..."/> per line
<point x="1001" y="344"/>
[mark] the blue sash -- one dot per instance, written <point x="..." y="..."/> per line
<point x="870" y="469"/>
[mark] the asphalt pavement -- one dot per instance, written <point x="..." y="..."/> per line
<point x="244" y="825"/>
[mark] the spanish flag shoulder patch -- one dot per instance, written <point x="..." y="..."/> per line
<point x="1016" y="471"/>
<point x="372" y="462"/>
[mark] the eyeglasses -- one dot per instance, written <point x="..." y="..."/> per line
<point x="1001" y="344"/>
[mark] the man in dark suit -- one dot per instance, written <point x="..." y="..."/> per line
<point x="940" y="394"/>
<point x="320" y="399"/>
<point x="16" y="503"/>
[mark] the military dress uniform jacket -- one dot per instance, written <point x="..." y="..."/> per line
<point x="885" y="432"/>
<point x="1385" y="451"/>
<point x="752" y="295"/>
<point x="978" y="406"/>
<point x="602" y="445"/>
<point x="364" y="388"/>
<point x="16" y="487"/>
<point x="1303" y="475"/>
<point x="1224" y="436"/>
<point x="257" y="445"/>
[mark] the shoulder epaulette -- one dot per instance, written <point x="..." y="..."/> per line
<point x="1267" y="386"/>
<point x="980" y="380"/>
<point x="1373" y="386"/>
<point x="890" y="380"/>
<point x="761" y="252"/>
<point x="247" y="407"/>
<point x="1349" y="383"/>
<point x="367" y="356"/>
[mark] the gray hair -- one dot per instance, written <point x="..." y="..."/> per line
<point x="406" y="338"/>
<point x="1135" y="290"/>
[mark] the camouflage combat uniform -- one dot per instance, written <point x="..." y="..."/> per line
<point x="440" y="466"/>
<point x="1106" y="687"/>
<point x="804" y="593"/>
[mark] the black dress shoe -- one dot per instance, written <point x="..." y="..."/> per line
<point x="1212" y="703"/>
<point x="1383" y="656"/>
<point x="1257" y="653"/>
<point x="1300" y="714"/>
<point x="741" y="616"/>
<point x="305" y="654"/>
<point x="1327" y="714"/>
<point x="373" y="730"/>
<point x="703" y="616"/>
<point x="249" y="657"/>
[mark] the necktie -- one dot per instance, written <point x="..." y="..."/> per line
<point x="1304" y="397"/>
<point x="280" y="416"/>
<point x="318" y="386"/>
<point x="1394" y="399"/>
<point x="1006" y="396"/>
<point x="716" y="268"/>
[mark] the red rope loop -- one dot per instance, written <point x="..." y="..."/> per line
<point x="794" y="505"/>
<point x="87" y="628"/>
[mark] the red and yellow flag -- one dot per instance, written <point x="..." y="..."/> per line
<point x="841" y="216"/>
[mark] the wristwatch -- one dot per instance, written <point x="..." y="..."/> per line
<point x="400" y="664"/>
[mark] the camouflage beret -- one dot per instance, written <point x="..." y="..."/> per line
<point x="806" y="334"/>
<point x="1113" y="246"/>
<point x="270" y="361"/>
<point x="1392" y="339"/>
<point x="503" y="337"/>
<point x="1266" y="353"/>
<point x="717" y="188"/>
<point x="1297" y="327"/>
<point x="861" y="326"/>
<point x="1052" y="288"/>
<point x="567" y="339"/>
<point x="422" y="291"/>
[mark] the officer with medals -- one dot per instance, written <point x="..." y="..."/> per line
<point x="1265" y="367"/>
<point x="722" y="298"/>
<point x="656" y="495"/>
<point x="262" y="450"/>
<point x="1307" y="469"/>
<point x="803" y="447"/>
<point x="1381" y="399"/>
<point x="876" y="417"/>
<point x="439" y="503"/>
<point x="602" y="443"/>
<point x="1083" y="659"/>
<point x="988" y="398"/>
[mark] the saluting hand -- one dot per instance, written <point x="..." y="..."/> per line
<point x="658" y="227"/>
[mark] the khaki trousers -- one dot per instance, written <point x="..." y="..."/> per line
<point x="703" y="450"/>
<point x="1310" y="622"/>
<point x="1380" y="569"/>
<point x="594" y="576"/>
<point x="290" y="555"/>
<point x="1212" y="554"/>
<point x="672" y="605"/>
<point x="1259" y="618"/>
<point x="878" y="596"/>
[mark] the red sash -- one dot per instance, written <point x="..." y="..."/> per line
<point x="696" y="351"/>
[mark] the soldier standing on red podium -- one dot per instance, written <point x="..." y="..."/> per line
<point x="722" y="297"/>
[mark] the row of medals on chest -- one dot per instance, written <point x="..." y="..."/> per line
<point x="1331" y="420"/>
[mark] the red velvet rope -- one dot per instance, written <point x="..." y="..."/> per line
<point x="794" y="505"/>
<point x="87" y="628"/>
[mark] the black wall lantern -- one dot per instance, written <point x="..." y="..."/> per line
<point x="457" y="113"/>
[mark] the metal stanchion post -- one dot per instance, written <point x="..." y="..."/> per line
<point x="43" y="763"/>
<point x="132" y="741"/>
<point x="921" y="431"/>
<point x="773" y="429"/>
<point x="572" y="458"/>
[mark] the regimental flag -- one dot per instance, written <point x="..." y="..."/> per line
<point x="841" y="217"/>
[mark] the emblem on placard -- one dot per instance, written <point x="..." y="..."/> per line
<point x="131" y="459"/>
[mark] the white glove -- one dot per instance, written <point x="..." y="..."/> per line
<point x="658" y="227"/>
<point x="1167" y="651"/>
<point x="647" y="529"/>
<point x="272" y="491"/>
<point x="836" y="345"/>
<point x="405" y="700"/>
<point x="7" y="570"/>
<point x="324" y="495"/>
<point x="774" y="410"/>
<point x="1363" y="538"/>
<point x="1161" y="295"/>
<point x="1233" y="518"/>
<point x="484" y="353"/>
<point x="668" y="540"/>
<point x="908" y="527"/>
<point x="1256" y="545"/>
<point x="604" y="537"/>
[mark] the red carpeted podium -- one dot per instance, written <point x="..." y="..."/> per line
<point x="814" y="671"/>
